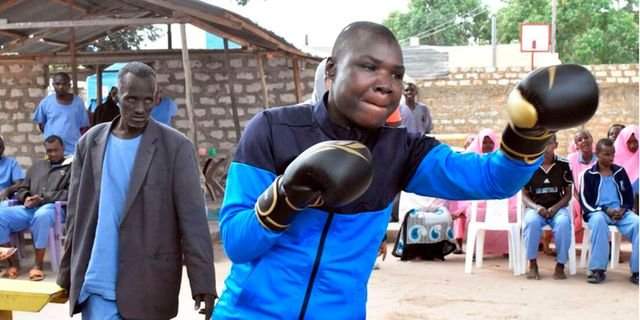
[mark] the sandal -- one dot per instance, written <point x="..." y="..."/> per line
<point x="36" y="275"/>
<point x="6" y="253"/>
<point x="11" y="273"/>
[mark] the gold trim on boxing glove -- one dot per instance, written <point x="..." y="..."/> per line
<point x="347" y="148"/>
<point x="552" y="76"/>
<point x="274" y="200"/>
<point x="528" y="158"/>
<point x="544" y="136"/>
<point x="521" y="112"/>
<point x="291" y="204"/>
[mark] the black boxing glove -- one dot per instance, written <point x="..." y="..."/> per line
<point x="547" y="100"/>
<point x="330" y="173"/>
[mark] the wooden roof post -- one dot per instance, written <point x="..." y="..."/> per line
<point x="234" y="107"/>
<point x="186" y="65"/>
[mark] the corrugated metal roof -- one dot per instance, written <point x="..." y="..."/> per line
<point x="51" y="40"/>
<point x="425" y="63"/>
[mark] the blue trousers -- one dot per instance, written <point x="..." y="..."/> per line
<point x="98" y="308"/>
<point x="561" y="226"/>
<point x="19" y="218"/>
<point x="599" y="224"/>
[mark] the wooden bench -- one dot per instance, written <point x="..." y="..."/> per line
<point x="30" y="296"/>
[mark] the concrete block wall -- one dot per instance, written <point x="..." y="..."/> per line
<point x="470" y="99"/>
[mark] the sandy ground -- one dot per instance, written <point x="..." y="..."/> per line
<point x="441" y="290"/>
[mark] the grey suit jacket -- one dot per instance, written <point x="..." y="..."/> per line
<point x="164" y="221"/>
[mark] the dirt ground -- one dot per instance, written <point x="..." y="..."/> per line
<point x="441" y="290"/>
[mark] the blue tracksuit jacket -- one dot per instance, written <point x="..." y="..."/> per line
<point x="319" y="267"/>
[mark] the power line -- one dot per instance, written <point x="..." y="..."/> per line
<point x="446" y="25"/>
<point x="448" y="21"/>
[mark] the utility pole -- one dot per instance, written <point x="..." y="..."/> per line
<point x="494" y="42"/>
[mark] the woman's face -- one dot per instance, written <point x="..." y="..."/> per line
<point x="487" y="145"/>
<point x="632" y="143"/>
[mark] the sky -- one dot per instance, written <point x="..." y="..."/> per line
<point x="319" y="20"/>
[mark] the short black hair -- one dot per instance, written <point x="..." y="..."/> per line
<point x="615" y="125"/>
<point x="362" y="30"/>
<point x="52" y="138"/>
<point x="138" y="69"/>
<point x="604" y="142"/>
<point x="62" y="75"/>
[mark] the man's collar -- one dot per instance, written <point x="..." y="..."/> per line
<point x="333" y="130"/>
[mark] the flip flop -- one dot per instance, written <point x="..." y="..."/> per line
<point x="36" y="275"/>
<point x="10" y="273"/>
<point x="6" y="253"/>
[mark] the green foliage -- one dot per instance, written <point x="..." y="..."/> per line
<point x="588" y="31"/>
<point x="124" y="40"/>
<point x="442" y="22"/>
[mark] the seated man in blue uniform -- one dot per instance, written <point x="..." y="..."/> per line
<point x="11" y="175"/>
<point x="303" y="229"/>
<point x="606" y="197"/>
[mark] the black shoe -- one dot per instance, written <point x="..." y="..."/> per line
<point x="634" y="278"/>
<point x="596" y="276"/>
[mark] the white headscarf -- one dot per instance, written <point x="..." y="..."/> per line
<point x="318" y="83"/>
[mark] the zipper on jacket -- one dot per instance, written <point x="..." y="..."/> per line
<point x="316" y="265"/>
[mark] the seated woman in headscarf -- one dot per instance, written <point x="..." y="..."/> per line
<point x="426" y="231"/>
<point x="496" y="242"/>
<point x="627" y="156"/>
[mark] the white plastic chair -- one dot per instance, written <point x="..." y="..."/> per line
<point x="496" y="219"/>
<point x="616" y="239"/>
<point x="572" y="249"/>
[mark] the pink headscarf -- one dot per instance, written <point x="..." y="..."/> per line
<point x="624" y="157"/>
<point x="476" y="144"/>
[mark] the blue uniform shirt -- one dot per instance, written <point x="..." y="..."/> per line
<point x="164" y="111"/>
<point x="117" y="165"/>
<point x="609" y="197"/>
<point x="64" y="121"/>
<point x="10" y="172"/>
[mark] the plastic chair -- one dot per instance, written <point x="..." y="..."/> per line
<point x="572" y="249"/>
<point x="496" y="219"/>
<point x="616" y="239"/>
<point x="56" y="236"/>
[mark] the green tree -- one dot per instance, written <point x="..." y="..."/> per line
<point x="588" y="31"/>
<point x="125" y="39"/>
<point x="442" y="22"/>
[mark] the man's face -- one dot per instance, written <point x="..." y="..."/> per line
<point x="632" y="144"/>
<point x="55" y="151"/>
<point x="1" y="147"/>
<point x="137" y="98"/>
<point x="605" y="155"/>
<point x="550" y="149"/>
<point x="410" y="93"/>
<point x="113" y="93"/>
<point x="583" y="142"/>
<point x="614" y="132"/>
<point x="61" y="85"/>
<point x="367" y="82"/>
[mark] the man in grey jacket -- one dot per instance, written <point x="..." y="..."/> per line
<point x="47" y="182"/>
<point x="136" y="212"/>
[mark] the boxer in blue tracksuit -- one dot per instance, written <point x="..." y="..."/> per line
<point x="297" y="252"/>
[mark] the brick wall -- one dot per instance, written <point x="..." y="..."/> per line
<point x="212" y="101"/>
<point x="465" y="102"/>
<point x="470" y="99"/>
<point x="23" y="85"/>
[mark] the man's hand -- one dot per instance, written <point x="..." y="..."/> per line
<point x="617" y="213"/>
<point x="32" y="201"/>
<point x="552" y="211"/>
<point x="208" y="299"/>
<point x="542" y="211"/>
<point x="382" y="251"/>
